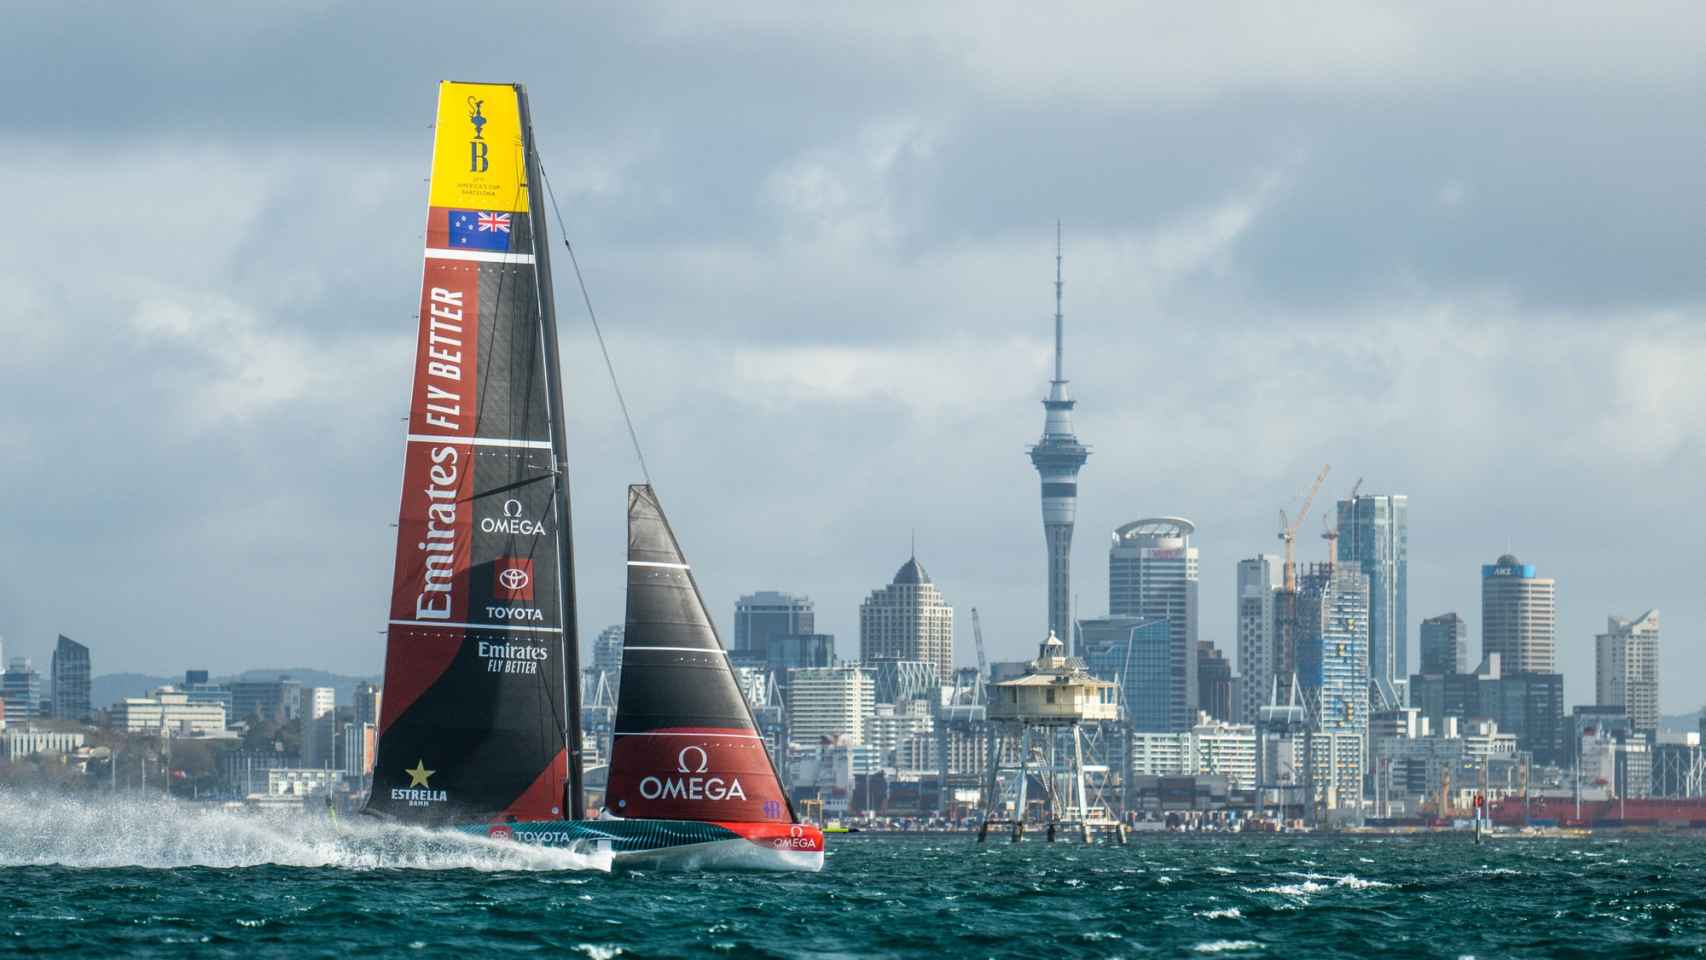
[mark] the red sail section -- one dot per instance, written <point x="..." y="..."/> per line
<point x="703" y="774"/>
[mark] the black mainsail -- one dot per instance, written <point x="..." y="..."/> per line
<point x="480" y="719"/>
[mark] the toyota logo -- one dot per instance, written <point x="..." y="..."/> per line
<point x="682" y="766"/>
<point x="513" y="578"/>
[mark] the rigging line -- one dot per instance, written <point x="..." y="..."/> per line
<point x="609" y="367"/>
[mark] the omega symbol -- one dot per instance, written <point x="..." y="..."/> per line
<point x="683" y="766"/>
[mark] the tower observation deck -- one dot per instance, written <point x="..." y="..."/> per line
<point x="1058" y="456"/>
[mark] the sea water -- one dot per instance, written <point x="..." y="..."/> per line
<point x="99" y="879"/>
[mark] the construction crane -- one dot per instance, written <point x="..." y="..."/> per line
<point x="977" y="637"/>
<point x="1330" y="533"/>
<point x="1288" y="531"/>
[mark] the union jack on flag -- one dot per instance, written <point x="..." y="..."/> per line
<point x="479" y="230"/>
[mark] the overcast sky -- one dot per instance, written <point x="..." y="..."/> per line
<point x="1456" y="252"/>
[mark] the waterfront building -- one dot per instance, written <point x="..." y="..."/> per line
<point x="1214" y="682"/>
<point x="70" y="681"/>
<point x="17" y="744"/>
<point x="830" y="703"/>
<point x="1058" y="457"/>
<point x="360" y="746"/>
<point x="1258" y="646"/>
<point x="1209" y="748"/>
<point x="1374" y="537"/>
<point x="302" y="781"/>
<point x="901" y="729"/>
<point x="1152" y="573"/>
<point x="908" y="620"/>
<point x="168" y="712"/>
<point x="1627" y="668"/>
<point x="198" y="688"/>
<point x="1519" y="616"/>
<point x="767" y="613"/>
<point x="607" y="652"/>
<point x="1445" y="645"/>
<point x="1135" y="652"/>
<point x="22" y="689"/>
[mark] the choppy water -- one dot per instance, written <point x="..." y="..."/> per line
<point x="154" y="880"/>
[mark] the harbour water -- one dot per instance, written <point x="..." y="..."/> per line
<point x="84" y="879"/>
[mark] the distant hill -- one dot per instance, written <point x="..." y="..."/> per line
<point x="110" y="688"/>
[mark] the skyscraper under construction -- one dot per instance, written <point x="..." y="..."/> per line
<point x="1058" y="457"/>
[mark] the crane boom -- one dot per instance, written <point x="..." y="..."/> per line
<point x="977" y="637"/>
<point x="1288" y="533"/>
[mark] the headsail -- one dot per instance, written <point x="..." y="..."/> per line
<point x="476" y="720"/>
<point x="685" y="746"/>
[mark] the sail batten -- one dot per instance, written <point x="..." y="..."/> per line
<point x="475" y="722"/>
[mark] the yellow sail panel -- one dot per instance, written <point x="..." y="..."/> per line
<point x="477" y="157"/>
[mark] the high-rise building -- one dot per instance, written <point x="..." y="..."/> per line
<point x="1258" y="645"/>
<point x="1136" y="653"/>
<point x="1445" y="645"/>
<point x="21" y="687"/>
<point x="1627" y="668"/>
<point x="70" y="683"/>
<point x="791" y="651"/>
<point x="1152" y="573"/>
<point x="908" y="620"/>
<point x="1331" y="635"/>
<point x="1374" y="535"/>
<point x="767" y="613"/>
<point x="1058" y="457"/>
<point x="1519" y="616"/>
<point x="830" y="702"/>
<point x="367" y="704"/>
<point x="319" y="727"/>
<point x="607" y="651"/>
<point x="1214" y="682"/>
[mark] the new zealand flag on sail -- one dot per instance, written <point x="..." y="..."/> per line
<point x="479" y="230"/>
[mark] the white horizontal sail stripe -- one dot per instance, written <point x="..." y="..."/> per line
<point x="482" y="441"/>
<point x="482" y="256"/>
<point x="655" y="563"/>
<point x="679" y="649"/>
<point x="726" y="736"/>
<point x="473" y="626"/>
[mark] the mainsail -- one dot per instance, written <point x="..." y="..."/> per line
<point x="477" y="719"/>
<point x="685" y="746"/>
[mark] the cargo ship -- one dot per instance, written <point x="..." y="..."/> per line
<point x="1657" y="812"/>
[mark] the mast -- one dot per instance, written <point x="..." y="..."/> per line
<point x="575" y="808"/>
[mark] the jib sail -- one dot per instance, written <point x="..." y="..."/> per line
<point x="476" y="716"/>
<point x="685" y="746"/>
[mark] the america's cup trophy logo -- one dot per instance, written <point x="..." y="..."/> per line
<point x="474" y="116"/>
<point x="477" y="162"/>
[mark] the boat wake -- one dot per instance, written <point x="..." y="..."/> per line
<point x="163" y="834"/>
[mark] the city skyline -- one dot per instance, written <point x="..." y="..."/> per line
<point x="829" y="335"/>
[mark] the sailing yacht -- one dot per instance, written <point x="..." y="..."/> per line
<point x="479" y="729"/>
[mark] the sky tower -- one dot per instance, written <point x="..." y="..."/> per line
<point x="1058" y="457"/>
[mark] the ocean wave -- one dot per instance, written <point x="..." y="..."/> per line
<point x="1227" y="913"/>
<point x="160" y="833"/>
<point x="1226" y="946"/>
